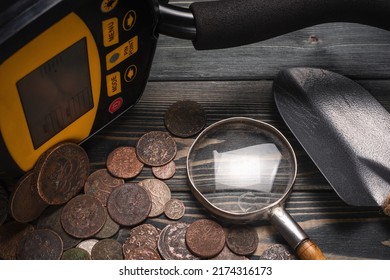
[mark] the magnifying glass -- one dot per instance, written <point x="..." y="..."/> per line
<point x="243" y="170"/>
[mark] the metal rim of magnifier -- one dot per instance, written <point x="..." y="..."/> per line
<point x="255" y="215"/>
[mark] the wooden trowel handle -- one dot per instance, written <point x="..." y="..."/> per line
<point x="308" y="250"/>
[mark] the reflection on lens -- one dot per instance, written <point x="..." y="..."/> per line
<point x="241" y="165"/>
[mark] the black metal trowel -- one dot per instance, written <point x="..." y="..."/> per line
<point x="342" y="127"/>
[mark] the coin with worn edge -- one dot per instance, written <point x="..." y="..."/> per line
<point x="156" y="148"/>
<point x="123" y="163"/>
<point x="159" y="194"/>
<point x="242" y="240"/>
<point x="100" y="184"/>
<point x="87" y="245"/>
<point x="185" y="118"/>
<point x="227" y="254"/>
<point x="61" y="172"/>
<point x="76" y="254"/>
<point x="278" y="252"/>
<point x="172" y="244"/>
<point x="143" y="253"/>
<point x="164" y="172"/>
<point x="205" y="238"/>
<point x="26" y="205"/>
<point x="107" y="249"/>
<point x="3" y="204"/>
<point x="129" y="204"/>
<point x="109" y="229"/>
<point x="145" y="235"/>
<point x="11" y="234"/>
<point x="83" y="216"/>
<point x="40" y="244"/>
<point x="174" y="209"/>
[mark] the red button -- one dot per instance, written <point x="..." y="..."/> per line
<point x="115" y="105"/>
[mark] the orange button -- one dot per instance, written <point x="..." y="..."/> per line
<point x="108" y="5"/>
<point x="121" y="53"/>
<point x="113" y="84"/>
<point x="110" y="32"/>
<point x="129" y="20"/>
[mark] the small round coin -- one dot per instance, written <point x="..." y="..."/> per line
<point x="109" y="229"/>
<point x="144" y="235"/>
<point x="83" y="216"/>
<point x="156" y="148"/>
<point x="164" y="172"/>
<point x="61" y="172"/>
<point x="185" y="118"/>
<point x="100" y="184"/>
<point x="25" y="204"/>
<point x="159" y="193"/>
<point x="278" y="252"/>
<point x="242" y="240"/>
<point x="107" y="249"/>
<point x="40" y="244"/>
<point x="143" y="253"/>
<point x="11" y="234"/>
<point x="123" y="163"/>
<point x="76" y="254"/>
<point x="205" y="238"/>
<point x="129" y="204"/>
<point x="174" y="209"/>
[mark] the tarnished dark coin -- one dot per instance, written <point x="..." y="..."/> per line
<point x="156" y="148"/>
<point x="40" y="244"/>
<point x="76" y="254"/>
<point x="172" y="243"/>
<point x="61" y="172"/>
<point x="100" y="184"/>
<point x="174" y="209"/>
<point x="3" y="204"/>
<point x="123" y="163"/>
<point x="107" y="249"/>
<point x="109" y="229"/>
<point x="129" y="204"/>
<point x="164" y="172"/>
<point x="87" y="245"/>
<point x="145" y="235"/>
<point x="83" y="216"/>
<point x="11" y="234"/>
<point x="122" y="235"/>
<point x="278" y="252"/>
<point x="143" y="253"/>
<point x="205" y="238"/>
<point x="227" y="254"/>
<point x="51" y="219"/>
<point x="159" y="194"/>
<point x="185" y="118"/>
<point x="25" y="204"/>
<point x="242" y="240"/>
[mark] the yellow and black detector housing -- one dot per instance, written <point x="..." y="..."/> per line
<point x="67" y="69"/>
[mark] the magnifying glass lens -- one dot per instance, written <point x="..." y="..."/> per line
<point x="241" y="165"/>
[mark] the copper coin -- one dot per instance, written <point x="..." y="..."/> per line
<point x="100" y="185"/>
<point x="51" y="219"/>
<point x="76" y="254"/>
<point x="172" y="244"/>
<point x="109" y="229"/>
<point x="107" y="249"/>
<point x="61" y="172"/>
<point x="278" y="252"/>
<point x="145" y="235"/>
<point x="174" y="209"/>
<point x="3" y="204"/>
<point x="185" y="118"/>
<point x="11" y="234"/>
<point x="205" y="238"/>
<point x="156" y="148"/>
<point x="129" y="204"/>
<point x="164" y="172"/>
<point x="83" y="216"/>
<point x="40" y="244"/>
<point x="159" y="193"/>
<point x="87" y="245"/>
<point x="227" y="254"/>
<point x="123" y="163"/>
<point x="25" y="204"/>
<point x="242" y="240"/>
<point x="143" y="253"/>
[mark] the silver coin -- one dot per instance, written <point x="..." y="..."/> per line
<point x="278" y="252"/>
<point x="159" y="193"/>
<point x="87" y="245"/>
<point x="174" y="209"/>
<point x="172" y="244"/>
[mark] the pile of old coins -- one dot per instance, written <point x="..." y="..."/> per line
<point x="61" y="210"/>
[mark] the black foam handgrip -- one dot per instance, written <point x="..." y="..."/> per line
<point x="230" y="23"/>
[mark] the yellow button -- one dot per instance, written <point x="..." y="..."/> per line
<point x="110" y="32"/>
<point x="108" y="5"/>
<point x="121" y="53"/>
<point x="113" y="84"/>
<point x="129" y="20"/>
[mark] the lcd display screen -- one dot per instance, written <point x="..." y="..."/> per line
<point x="56" y="93"/>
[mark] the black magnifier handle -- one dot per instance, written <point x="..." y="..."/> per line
<point x="230" y="23"/>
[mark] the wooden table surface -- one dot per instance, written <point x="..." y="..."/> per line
<point x="238" y="82"/>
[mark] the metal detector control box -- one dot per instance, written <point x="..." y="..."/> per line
<point x="67" y="69"/>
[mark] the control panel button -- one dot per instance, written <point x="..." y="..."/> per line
<point x="113" y="82"/>
<point x="129" y="20"/>
<point x="130" y="73"/>
<point x="115" y="105"/>
<point x="110" y="32"/>
<point x="121" y="53"/>
<point x="108" y="5"/>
